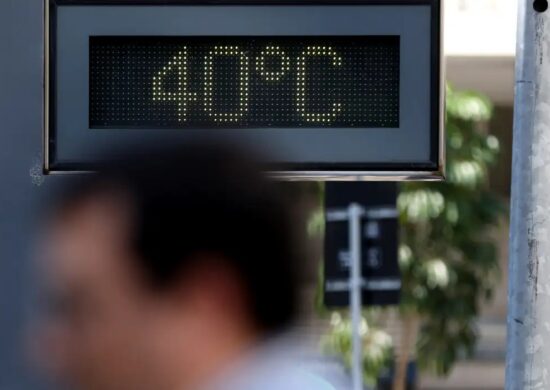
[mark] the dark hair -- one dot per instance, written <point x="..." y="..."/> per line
<point x="199" y="198"/>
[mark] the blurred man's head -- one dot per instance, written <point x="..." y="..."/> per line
<point x="164" y="267"/>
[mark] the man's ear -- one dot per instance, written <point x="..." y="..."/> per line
<point x="211" y="283"/>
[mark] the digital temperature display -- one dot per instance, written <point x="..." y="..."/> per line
<point x="244" y="82"/>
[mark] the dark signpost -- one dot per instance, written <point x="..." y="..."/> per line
<point x="364" y="270"/>
<point x="381" y="281"/>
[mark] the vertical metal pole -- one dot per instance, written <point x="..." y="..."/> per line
<point x="528" y="349"/>
<point x="355" y="212"/>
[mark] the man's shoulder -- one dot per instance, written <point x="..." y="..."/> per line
<point x="283" y="365"/>
<point x="300" y="375"/>
<point x="306" y="378"/>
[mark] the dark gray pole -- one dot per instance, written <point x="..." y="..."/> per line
<point x="528" y="350"/>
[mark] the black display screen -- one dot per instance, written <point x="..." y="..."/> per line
<point x="244" y="82"/>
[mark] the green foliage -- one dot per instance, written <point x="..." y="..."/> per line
<point x="377" y="344"/>
<point x="449" y="263"/>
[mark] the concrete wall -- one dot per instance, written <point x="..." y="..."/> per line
<point x="21" y="24"/>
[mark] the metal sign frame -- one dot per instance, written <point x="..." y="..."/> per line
<point x="382" y="283"/>
<point x="432" y="171"/>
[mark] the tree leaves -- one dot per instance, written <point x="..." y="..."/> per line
<point x="448" y="262"/>
<point x="468" y="106"/>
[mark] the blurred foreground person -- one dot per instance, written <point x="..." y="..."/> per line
<point x="172" y="270"/>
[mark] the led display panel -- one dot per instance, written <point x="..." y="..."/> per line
<point x="326" y="89"/>
<point x="248" y="82"/>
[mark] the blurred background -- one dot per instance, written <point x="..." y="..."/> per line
<point x="449" y="331"/>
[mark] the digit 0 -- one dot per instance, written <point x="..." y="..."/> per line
<point x="209" y="87"/>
